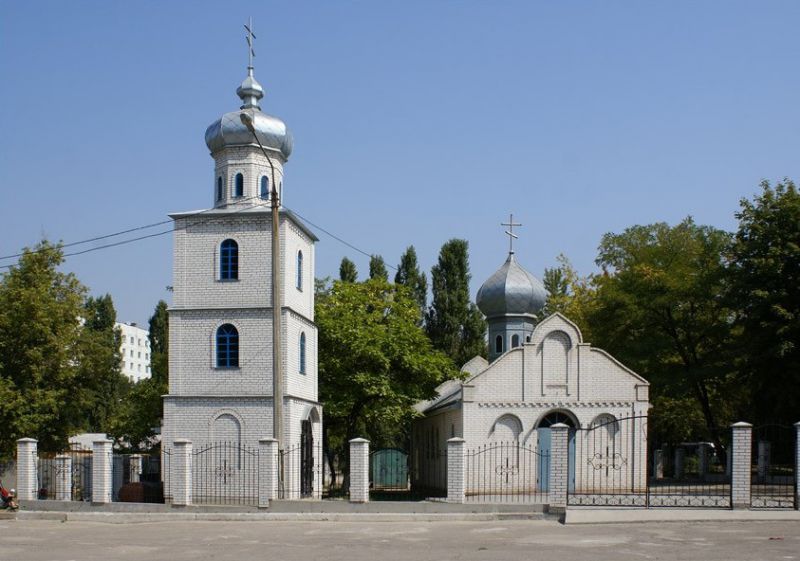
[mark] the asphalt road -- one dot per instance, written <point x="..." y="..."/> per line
<point x="386" y="541"/>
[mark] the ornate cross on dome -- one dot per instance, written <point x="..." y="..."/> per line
<point x="250" y="36"/>
<point x="510" y="232"/>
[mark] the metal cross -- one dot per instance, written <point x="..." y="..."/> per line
<point x="250" y="36"/>
<point x="510" y="232"/>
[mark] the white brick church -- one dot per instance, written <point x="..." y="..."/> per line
<point x="221" y="358"/>
<point x="539" y="373"/>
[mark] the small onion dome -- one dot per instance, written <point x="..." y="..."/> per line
<point x="511" y="290"/>
<point x="229" y="130"/>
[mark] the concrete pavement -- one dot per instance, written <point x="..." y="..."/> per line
<point x="22" y="540"/>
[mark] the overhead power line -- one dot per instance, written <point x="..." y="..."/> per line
<point x="171" y="230"/>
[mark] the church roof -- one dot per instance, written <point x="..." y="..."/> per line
<point x="229" y="130"/>
<point x="511" y="290"/>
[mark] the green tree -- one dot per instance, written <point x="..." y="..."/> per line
<point x="409" y="275"/>
<point x="40" y="350"/>
<point x="570" y="294"/>
<point x="454" y="323"/>
<point x="375" y="361"/>
<point x="764" y="289"/>
<point x="102" y="384"/>
<point x="659" y="310"/>
<point x="348" y="271"/>
<point x="377" y="268"/>
<point x="141" y="414"/>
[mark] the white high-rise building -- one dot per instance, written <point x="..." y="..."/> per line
<point x="135" y="351"/>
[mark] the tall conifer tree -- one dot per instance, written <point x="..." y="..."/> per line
<point x="348" y="271"/>
<point x="454" y="323"/>
<point x="377" y="268"/>
<point x="409" y="275"/>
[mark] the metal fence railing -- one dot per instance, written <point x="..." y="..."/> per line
<point x="503" y="472"/>
<point x="773" y="480"/>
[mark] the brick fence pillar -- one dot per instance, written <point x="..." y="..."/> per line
<point x="27" y="458"/>
<point x="741" y="452"/>
<point x="267" y="471"/>
<point x="182" y="473"/>
<point x="135" y="467"/>
<point x="359" y="470"/>
<point x="63" y="478"/>
<point x="797" y="466"/>
<point x="559" y="465"/>
<point x="456" y="468"/>
<point x="102" y="464"/>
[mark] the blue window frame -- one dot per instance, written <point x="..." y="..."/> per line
<point x="219" y="188"/>
<point x="299" y="281"/>
<point x="264" y="187"/>
<point x="302" y="353"/>
<point x="229" y="260"/>
<point x="227" y="346"/>
<point x="239" y="186"/>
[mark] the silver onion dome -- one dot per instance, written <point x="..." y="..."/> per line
<point x="511" y="290"/>
<point x="229" y="130"/>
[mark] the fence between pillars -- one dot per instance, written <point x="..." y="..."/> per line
<point x="773" y="469"/>
<point x="506" y="472"/>
<point x="225" y="473"/>
<point x="48" y="472"/>
<point x="613" y="464"/>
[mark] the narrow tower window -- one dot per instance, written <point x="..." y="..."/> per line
<point x="498" y="344"/>
<point x="229" y="260"/>
<point x="514" y="341"/>
<point x="302" y="353"/>
<point x="264" y="187"/>
<point x="219" y="188"/>
<point x="239" y="187"/>
<point x="299" y="270"/>
<point x="227" y="346"/>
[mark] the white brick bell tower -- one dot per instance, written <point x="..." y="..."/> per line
<point x="243" y="343"/>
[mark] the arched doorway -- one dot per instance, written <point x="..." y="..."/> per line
<point x="543" y="445"/>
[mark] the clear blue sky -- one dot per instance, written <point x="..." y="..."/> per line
<point x="414" y="122"/>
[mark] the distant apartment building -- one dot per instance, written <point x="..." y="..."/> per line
<point x="135" y="351"/>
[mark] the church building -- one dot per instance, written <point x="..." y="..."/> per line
<point x="540" y="372"/>
<point x="221" y="319"/>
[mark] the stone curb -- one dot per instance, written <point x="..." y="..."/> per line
<point x="628" y="516"/>
<point x="155" y="517"/>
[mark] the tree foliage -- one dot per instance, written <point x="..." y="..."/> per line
<point x="764" y="289"/>
<point x="409" y="275"/>
<point x="377" y="268"/>
<point x="59" y="368"/>
<point x="375" y="360"/>
<point x="348" y="271"/>
<point x="454" y="323"/>
<point x="570" y="294"/>
<point x="658" y="309"/>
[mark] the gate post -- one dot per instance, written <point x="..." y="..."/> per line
<point x="359" y="470"/>
<point x="455" y="470"/>
<point x="136" y="468"/>
<point x="27" y="458"/>
<point x="742" y="450"/>
<point x="101" y="471"/>
<point x="267" y="471"/>
<point x="797" y="466"/>
<point x="63" y="478"/>
<point x="182" y="473"/>
<point x="559" y="465"/>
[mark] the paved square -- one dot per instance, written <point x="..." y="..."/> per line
<point x="386" y="541"/>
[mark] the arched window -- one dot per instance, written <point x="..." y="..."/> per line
<point x="229" y="260"/>
<point x="264" y="187"/>
<point x="299" y="280"/>
<point x="239" y="186"/>
<point x="227" y="346"/>
<point x="498" y="344"/>
<point x="514" y="341"/>
<point x="302" y="353"/>
<point x="219" y="188"/>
